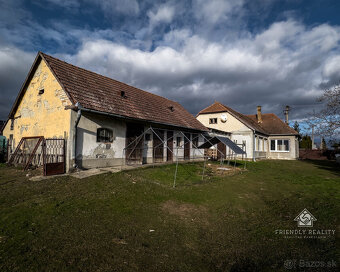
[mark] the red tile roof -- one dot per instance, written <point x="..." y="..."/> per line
<point x="271" y="124"/>
<point x="97" y="92"/>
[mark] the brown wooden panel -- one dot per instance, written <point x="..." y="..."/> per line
<point x="221" y="149"/>
<point x="134" y="143"/>
<point x="187" y="146"/>
<point x="170" y="144"/>
<point x="158" y="146"/>
<point x="54" y="168"/>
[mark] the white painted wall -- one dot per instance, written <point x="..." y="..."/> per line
<point x="293" y="149"/>
<point x="92" y="154"/>
<point x="95" y="154"/>
<point x="244" y="136"/>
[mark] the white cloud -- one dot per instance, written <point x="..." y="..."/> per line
<point x="282" y="65"/>
<point x="163" y="14"/>
<point x="331" y="71"/>
<point x="332" y="66"/>
<point x="214" y="11"/>
<point x="206" y="56"/>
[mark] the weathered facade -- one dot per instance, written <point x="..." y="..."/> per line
<point x="100" y="118"/>
<point x="263" y="135"/>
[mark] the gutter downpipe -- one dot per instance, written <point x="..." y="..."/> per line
<point x="75" y="165"/>
<point x="254" y="159"/>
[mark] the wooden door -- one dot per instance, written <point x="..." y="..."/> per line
<point x="187" y="146"/>
<point x="170" y="144"/>
<point x="134" y="143"/>
<point x="221" y="147"/>
<point x="158" y="145"/>
<point x="54" y="156"/>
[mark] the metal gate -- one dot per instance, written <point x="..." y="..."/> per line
<point x="54" y="156"/>
<point x="28" y="152"/>
<point x="3" y="149"/>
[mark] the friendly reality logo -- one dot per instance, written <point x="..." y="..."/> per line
<point x="305" y="219"/>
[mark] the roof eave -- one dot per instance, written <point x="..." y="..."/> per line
<point x="200" y="113"/>
<point x="56" y="77"/>
<point x="284" y="134"/>
<point x="137" y="119"/>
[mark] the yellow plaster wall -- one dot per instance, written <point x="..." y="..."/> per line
<point x="232" y="124"/>
<point x="41" y="115"/>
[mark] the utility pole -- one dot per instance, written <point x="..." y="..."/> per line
<point x="313" y="146"/>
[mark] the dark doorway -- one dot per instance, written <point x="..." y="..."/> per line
<point x="134" y="143"/>
<point x="187" y="146"/>
<point x="221" y="150"/>
<point x="170" y="144"/>
<point x="158" y="145"/>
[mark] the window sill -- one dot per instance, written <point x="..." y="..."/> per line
<point x="276" y="151"/>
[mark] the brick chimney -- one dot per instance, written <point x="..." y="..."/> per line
<point x="259" y="114"/>
<point x="286" y="113"/>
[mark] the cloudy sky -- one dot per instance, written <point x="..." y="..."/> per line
<point x="242" y="53"/>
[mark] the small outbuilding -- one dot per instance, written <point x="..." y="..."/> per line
<point x="226" y="148"/>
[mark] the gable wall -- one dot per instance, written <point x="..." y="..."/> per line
<point x="232" y="124"/>
<point x="41" y="115"/>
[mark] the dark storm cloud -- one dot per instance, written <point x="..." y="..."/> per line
<point x="193" y="52"/>
<point x="12" y="76"/>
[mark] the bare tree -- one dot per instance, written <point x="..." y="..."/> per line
<point x="327" y="121"/>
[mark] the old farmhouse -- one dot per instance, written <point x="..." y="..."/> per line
<point x="261" y="135"/>
<point x="103" y="122"/>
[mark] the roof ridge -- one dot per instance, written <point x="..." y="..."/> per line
<point x="44" y="54"/>
<point x="216" y="102"/>
<point x="276" y="119"/>
<point x="288" y="126"/>
<point x="101" y="93"/>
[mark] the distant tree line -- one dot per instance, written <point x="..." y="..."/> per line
<point x="305" y="141"/>
<point x="326" y="122"/>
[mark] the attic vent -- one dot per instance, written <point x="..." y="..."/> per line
<point x="122" y="94"/>
<point x="172" y="108"/>
<point x="41" y="91"/>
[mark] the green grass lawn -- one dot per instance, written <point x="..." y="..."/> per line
<point x="136" y="221"/>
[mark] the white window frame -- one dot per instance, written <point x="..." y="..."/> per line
<point x="276" y="140"/>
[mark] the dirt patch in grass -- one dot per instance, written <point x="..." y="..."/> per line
<point x="12" y="174"/>
<point x="223" y="170"/>
<point x="186" y="211"/>
<point x="119" y="241"/>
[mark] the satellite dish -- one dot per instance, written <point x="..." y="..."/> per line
<point x="224" y="118"/>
